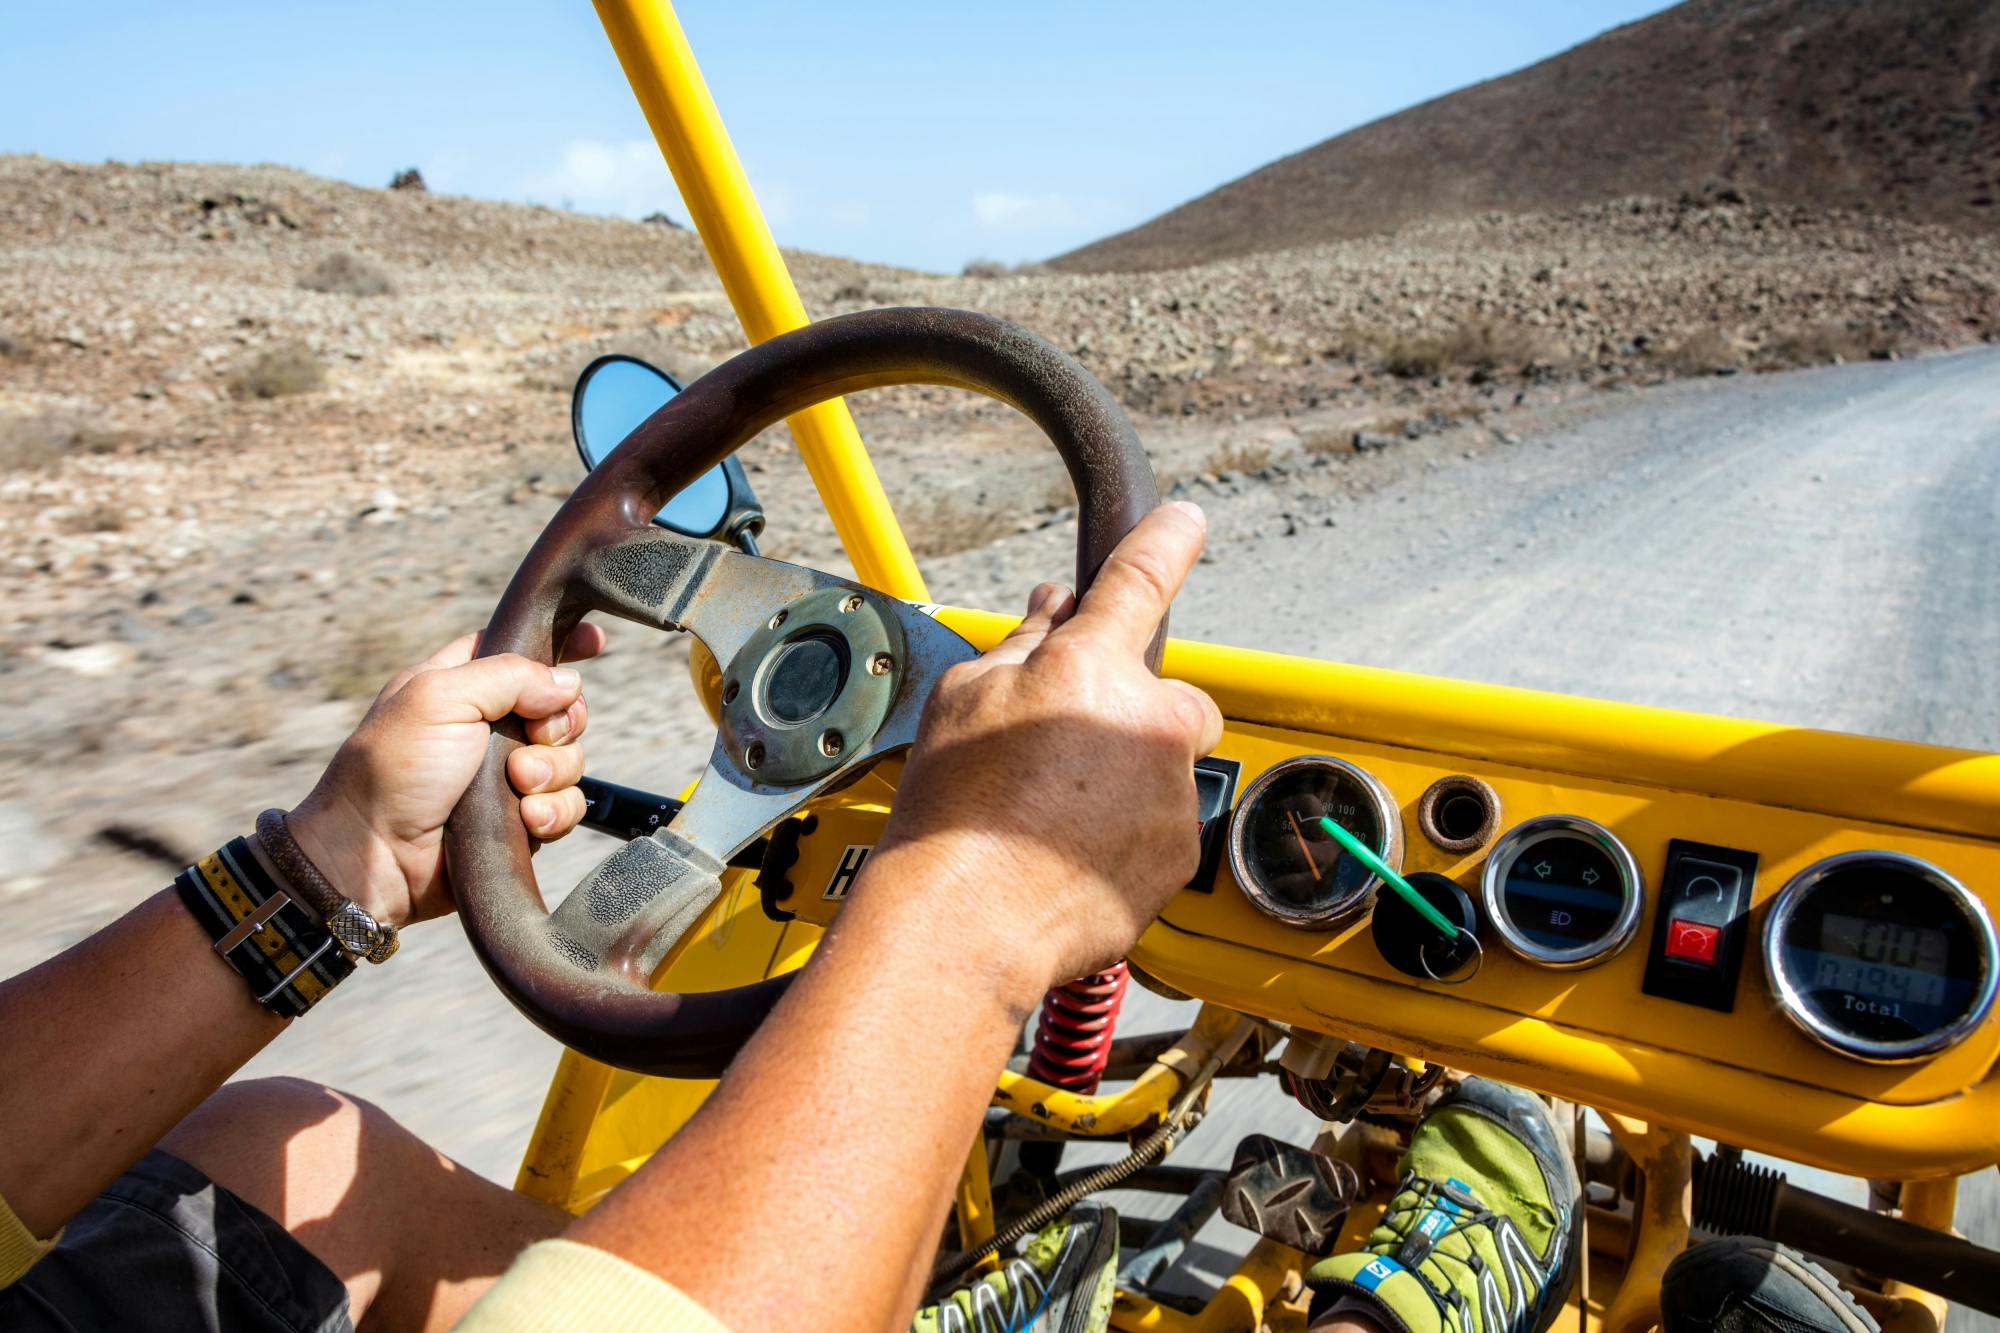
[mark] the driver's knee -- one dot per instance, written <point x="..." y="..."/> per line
<point x="313" y="1159"/>
<point x="345" y="1179"/>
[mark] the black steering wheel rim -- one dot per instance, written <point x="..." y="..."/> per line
<point x="617" y="1018"/>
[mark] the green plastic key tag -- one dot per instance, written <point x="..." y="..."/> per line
<point x="1380" y="869"/>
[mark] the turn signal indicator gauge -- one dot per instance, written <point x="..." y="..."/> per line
<point x="1563" y="891"/>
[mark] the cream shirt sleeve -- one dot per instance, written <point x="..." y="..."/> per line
<point x="19" y="1247"/>
<point x="559" y="1286"/>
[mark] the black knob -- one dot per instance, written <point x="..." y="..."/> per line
<point x="1416" y="947"/>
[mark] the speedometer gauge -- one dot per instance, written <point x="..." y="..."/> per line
<point x="1881" y="956"/>
<point x="1288" y="866"/>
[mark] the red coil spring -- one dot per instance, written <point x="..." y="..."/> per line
<point x="1073" y="1038"/>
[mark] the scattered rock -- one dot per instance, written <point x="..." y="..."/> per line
<point x="94" y="660"/>
<point x="28" y="850"/>
<point x="384" y="506"/>
<point x="1366" y="441"/>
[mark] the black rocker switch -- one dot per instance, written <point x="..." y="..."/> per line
<point x="1700" y="924"/>
<point x="1215" y="792"/>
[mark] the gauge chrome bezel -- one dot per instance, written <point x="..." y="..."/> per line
<point x="1792" y="1002"/>
<point x="1341" y="909"/>
<point x="1542" y="828"/>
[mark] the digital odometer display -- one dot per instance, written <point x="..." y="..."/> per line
<point x="1880" y="956"/>
<point x="1883" y="960"/>
<point x="1287" y="864"/>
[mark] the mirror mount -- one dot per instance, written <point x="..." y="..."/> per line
<point x="744" y="522"/>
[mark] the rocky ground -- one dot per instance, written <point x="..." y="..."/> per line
<point x="200" y="585"/>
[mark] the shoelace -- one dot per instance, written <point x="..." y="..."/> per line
<point x="1027" y="1295"/>
<point x="1502" y="1314"/>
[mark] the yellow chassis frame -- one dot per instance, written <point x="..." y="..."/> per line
<point x="598" y="1124"/>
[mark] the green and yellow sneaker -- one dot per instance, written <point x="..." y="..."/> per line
<point x="1062" y="1282"/>
<point x="1481" y="1234"/>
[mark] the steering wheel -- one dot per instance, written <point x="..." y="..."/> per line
<point x="821" y="677"/>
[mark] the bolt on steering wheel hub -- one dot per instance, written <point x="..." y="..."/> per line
<point x="811" y="685"/>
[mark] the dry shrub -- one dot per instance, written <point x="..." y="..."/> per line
<point x="1479" y="344"/>
<point x="33" y="444"/>
<point x="1827" y="344"/>
<point x="10" y="350"/>
<point x="1413" y="358"/>
<point x="278" y="372"/>
<point x="1488" y="344"/>
<point x="983" y="268"/>
<point x="1702" y="352"/>
<point x="1326" y="441"/>
<point x="96" y="518"/>
<point x="364" y="661"/>
<point x="345" y="275"/>
<point x="1241" y="457"/>
<point x="38" y="443"/>
<point x="942" y="525"/>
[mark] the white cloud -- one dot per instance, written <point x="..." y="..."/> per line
<point x="626" y="178"/>
<point x="1008" y="210"/>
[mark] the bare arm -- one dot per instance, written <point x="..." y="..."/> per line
<point x="1046" y="815"/>
<point x="107" y="1046"/>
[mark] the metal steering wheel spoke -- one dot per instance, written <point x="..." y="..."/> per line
<point x="821" y="677"/>
<point x="625" y="915"/>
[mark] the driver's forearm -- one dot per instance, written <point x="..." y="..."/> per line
<point x="826" y="1158"/>
<point x="106" y="1046"/>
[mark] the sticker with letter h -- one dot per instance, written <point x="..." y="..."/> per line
<point x="842" y="879"/>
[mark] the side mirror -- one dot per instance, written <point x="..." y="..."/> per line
<point x="612" y="397"/>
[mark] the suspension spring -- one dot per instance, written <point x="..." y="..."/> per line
<point x="1073" y="1038"/>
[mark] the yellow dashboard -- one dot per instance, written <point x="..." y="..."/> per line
<point x="1686" y="800"/>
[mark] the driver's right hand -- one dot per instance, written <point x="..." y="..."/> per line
<point x="1047" y="812"/>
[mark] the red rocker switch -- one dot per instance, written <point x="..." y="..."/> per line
<point x="1693" y="942"/>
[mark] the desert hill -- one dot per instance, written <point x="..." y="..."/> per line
<point x="175" y="337"/>
<point x="1877" y="105"/>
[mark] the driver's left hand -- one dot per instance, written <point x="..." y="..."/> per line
<point x="374" y="823"/>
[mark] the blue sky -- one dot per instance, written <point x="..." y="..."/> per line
<point x="920" y="134"/>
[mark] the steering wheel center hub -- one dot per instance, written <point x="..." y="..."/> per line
<point x="812" y="685"/>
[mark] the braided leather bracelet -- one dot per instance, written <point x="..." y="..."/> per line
<point x="359" y="934"/>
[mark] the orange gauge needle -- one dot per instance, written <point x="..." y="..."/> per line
<point x="1305" y="849"/>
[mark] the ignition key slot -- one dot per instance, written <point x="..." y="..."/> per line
<point x="1459" y="813"/>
